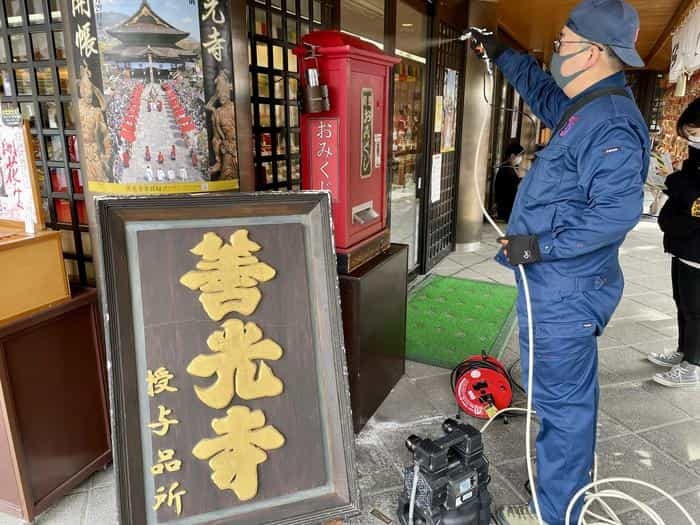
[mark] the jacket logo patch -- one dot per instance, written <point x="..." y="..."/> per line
<point x="569" y="125"/>
<point x="608" y="151"/>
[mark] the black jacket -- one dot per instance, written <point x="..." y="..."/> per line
<point x="506" y="187"/>
<point x="681" y="229"/>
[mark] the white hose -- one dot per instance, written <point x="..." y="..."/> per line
<point x="412" y="504"/>
<point x="595" y="496"/>
<point x="530" y="334"/>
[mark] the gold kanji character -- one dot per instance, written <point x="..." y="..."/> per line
<point x="81" y="7"/>
<point x="166" y="462"/>
<point x="211" y="10"/>
<point x="228" y="275"/>
<point x="85" y="41"/>
<point x="237" y="362"/>
<point x="162" y="426"/>
<point x="170" y="498"/>
<point x="159" y="381"/>
<point x="236" y="454"/>
<point x="215" y="44"/>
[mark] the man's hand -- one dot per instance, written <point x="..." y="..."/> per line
<point x="521" y="249"/>
<point x="484" y="43"/>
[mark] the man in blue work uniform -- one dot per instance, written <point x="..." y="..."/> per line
<point x="571" y="214"/>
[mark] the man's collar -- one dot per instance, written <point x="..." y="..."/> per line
<point x="615" y="80"/>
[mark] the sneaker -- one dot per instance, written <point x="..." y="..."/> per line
<point x="682" y="375"/>
<point x="668" y="359"/>
<point x="517" y="515"/>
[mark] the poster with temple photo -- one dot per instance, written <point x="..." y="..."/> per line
<point x="155" y="95"/>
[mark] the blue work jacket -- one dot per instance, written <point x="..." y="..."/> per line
<point x="584" y="191"/>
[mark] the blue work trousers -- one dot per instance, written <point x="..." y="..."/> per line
<point x="565" y="386"/>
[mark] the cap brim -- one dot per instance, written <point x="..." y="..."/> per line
<point x="628" y="55"/>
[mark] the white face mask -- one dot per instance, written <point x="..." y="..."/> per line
<point x="694" y="141"/>
<point x="517" y="160"/>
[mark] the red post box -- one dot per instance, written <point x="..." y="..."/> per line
<point x="343" y="140"/>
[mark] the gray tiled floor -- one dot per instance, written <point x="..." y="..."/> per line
<point x="645" y="431"/>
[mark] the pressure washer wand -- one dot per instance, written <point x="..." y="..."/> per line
<point x="469" y="35"/>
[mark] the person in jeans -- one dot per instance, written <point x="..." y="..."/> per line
<point x="680" y="222"/>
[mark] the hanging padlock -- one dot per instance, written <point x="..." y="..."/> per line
<point x="314" y="95"/>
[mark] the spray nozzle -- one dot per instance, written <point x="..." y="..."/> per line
<point x="474" y="34"/>
<point x="469" y="33"/>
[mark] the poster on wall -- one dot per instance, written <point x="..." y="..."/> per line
<point x="155" y="95"/>
<point x="449" y="110"/>
<point x="231" y="401"/>
<point x="19" y="192"/>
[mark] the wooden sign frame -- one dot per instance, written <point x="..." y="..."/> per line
<point x="173" y="217"/>
<point x="33" y="184"/>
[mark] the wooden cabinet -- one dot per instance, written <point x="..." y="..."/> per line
<point x="54" y="419"/>
<point x="373" y="302"/>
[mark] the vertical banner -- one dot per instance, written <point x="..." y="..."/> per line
<point x="449" y="111"/>
<point x="155" y="95"/>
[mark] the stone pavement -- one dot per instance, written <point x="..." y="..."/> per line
<point x="646" y="431"/>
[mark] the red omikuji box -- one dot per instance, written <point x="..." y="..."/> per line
<point x="344" y="149"/>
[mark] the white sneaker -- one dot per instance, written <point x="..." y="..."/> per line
<point x="668" y="359"/>
<point x="683" y="375"/>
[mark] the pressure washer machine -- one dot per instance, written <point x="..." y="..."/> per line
<point x="448" y="482"/>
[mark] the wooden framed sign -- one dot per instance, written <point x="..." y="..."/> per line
<point x="229" y="385"/>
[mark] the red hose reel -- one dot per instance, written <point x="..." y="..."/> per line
<point x="481" y="386"/>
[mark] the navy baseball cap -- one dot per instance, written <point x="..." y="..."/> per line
<point x="613" y="23"/>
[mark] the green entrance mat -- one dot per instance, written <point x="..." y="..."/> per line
<point x="451" y="319"/>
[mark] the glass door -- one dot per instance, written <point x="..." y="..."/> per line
<point x="408" y="146"/>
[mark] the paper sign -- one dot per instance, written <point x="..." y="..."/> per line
<point x="438" y="114"/>
<point x="436" y="178"/>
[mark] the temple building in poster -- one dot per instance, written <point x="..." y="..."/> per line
<point x="149" y="45"/>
